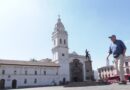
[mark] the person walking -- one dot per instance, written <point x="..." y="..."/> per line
<point x="118" y="49"/>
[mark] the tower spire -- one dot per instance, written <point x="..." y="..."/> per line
<point x="59" y="19"/>
<point x="59" y="25"/>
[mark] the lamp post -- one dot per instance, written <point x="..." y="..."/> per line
<point x="107" y="62"/>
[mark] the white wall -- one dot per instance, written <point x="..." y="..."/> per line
<point x="51" y="75"/>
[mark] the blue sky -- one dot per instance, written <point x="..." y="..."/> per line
<point x="26" y="27"/>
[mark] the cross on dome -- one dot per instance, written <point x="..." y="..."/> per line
<point x="59" y="26"/>
<point x="59" y="20"/>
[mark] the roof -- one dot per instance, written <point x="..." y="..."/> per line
<point x="127" y="58"/>
<point x="74" y="53"/>
<point x="106" y="67"/>
<point x="28" y="63"/>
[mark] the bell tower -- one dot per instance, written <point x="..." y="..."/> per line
<point x="60" y="49"/>
<point x="60" y="42"/>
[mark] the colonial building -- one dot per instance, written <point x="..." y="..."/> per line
<point x="63" y="67"/>
<point x="110" y="71"/>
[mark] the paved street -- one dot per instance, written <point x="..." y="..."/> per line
<point x="106" y="87"/>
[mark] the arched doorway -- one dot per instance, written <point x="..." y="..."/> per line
<point x="14" y="84"/>
<point x="64" y="80"/>
<point x="76" y="71"/>
<point x="2" y="84"/>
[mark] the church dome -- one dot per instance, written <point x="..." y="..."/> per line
<point x="74" y="53"/>
<point x="59" y="25"/>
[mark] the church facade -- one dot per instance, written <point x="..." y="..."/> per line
<point x="63" y="67"/>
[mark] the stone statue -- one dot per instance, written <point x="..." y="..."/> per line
<point x="87" y="55"/>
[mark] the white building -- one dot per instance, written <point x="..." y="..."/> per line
<point x="110" y="71"/>
<point x="64" y="67"/>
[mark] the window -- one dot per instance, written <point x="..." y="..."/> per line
<point x="109" y="75"/>
<point x="60" y="41"/>
<point x="9" y="76"/>
<point x="35" y="80"/>
<point x="35" y="72"/>
<point x="127" y="71"/>
<point x="64" y="41"/>
<point x="105" y="70"/>
<point x="126" y="63"/>
<point x="63" y="54"/>
<point x="44" y="72"/>
<point x="15" y="72"/>
<point x="26" y="73"/>
<point x="3" y="72"/>
<point x="87" y="78"/>
<point x="25" y="81"/>
<point x="87" y="70"/>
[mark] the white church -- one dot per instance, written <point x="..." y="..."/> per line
<point x="62" y="68"/>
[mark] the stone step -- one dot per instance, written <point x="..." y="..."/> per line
<point x="85" y="83"/>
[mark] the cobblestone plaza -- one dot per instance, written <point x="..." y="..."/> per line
<point x="105" y="87"/>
